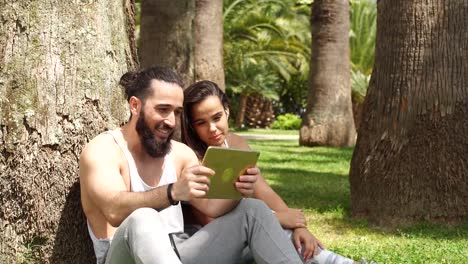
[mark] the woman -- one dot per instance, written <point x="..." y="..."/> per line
<point x="205" y="123"/>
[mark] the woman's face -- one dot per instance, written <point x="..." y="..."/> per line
<point x="210" y="121"/>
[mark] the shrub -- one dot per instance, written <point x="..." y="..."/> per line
<point x="287" y="121"/>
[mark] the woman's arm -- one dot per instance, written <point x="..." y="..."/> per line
<point x="288" y="217"/>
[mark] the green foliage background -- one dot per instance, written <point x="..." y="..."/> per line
<point x="267" y="50"/>
<point x="287" y="121"/>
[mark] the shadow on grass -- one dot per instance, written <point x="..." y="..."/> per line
<point x="274" y="143"/>
<point x="329" y="193"/>
<point x="297" y="159"/>
<point x="411" y="231"/>
<point x="290" y="147"/>
<point x="292" y="173"/>
<point x="310" y="190"/>
<point x="436" y="231"/>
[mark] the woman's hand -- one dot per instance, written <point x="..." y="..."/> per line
<point x="306" y="243"/>
<point x="245" y="183"/>
<point x="291" y="218"/>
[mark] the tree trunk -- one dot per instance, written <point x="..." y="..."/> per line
<point x="411" y="160"/>
<point x="260" y="114"/>
<point x="186" y="35"/>
<point x="357" y="114"/>
<point x="60" y="62"/>
<point x="241" y="113"/>
<point x="329" y="118"/>
<point x="166" y="36"/>
<point x="208" y="34"/>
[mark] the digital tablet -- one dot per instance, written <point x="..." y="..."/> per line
<point x="228" y="164"/>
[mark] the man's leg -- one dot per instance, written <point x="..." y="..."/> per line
<point x="141" y="238"/>
<point x="251" y="224"/>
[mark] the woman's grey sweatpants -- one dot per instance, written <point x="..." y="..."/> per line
<point x="141" y="238"/>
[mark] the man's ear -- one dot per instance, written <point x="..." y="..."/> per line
<point x="135" y="105"/>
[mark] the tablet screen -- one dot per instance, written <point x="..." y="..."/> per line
<point x="228" y="164"/>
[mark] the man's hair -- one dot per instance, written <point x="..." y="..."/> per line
<point x="193" y="95"/>
<point x="137" y="83"/>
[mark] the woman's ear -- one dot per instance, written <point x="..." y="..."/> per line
<point x="227" y="112"/>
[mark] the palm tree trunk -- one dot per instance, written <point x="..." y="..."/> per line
<point x="166" y="35"/>
<point x="186" y="35"/>
<point x="208" y="35"/>
<point x="260" y="114"/>
<point x="329" y="119"/>
<point x="241" y="114"/>
<point x="411" y="160"/>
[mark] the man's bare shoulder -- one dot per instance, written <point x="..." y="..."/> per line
<point x="103" y="145"/>
<point x="180" y="149"/>
<point x="183" y="153"/>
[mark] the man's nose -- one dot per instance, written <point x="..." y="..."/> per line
<point x="170" y="120"/>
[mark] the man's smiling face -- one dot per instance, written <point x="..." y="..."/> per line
<point x="159" y="115"/>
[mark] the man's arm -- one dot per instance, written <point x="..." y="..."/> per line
<point x="103" y="184"/>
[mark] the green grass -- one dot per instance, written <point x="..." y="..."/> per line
<point x="316" y="179"/>
<point x="254" y="131"/>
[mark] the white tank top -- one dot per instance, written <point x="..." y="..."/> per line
<point x="172" y="216"/>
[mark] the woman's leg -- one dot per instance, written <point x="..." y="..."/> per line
<point x="251" y="224"/>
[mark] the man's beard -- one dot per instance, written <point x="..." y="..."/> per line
<point x="151" y="145"/>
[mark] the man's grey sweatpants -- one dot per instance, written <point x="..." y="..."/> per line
<point x="141" y="238"/>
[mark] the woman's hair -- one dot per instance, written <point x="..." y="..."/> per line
<point x="194" y="94"/>
<point x="137" y="83"/>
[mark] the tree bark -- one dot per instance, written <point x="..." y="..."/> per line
<point x="166" y="36"/>
<point x="260" y="114"/>
<point x="186" y="35"/>
<point x="242" y="107"/>
<point x="411" y="160"/>
<point x="60" y="62"/>
<point x="329" y="118"/>
<point x="208" y="34"/>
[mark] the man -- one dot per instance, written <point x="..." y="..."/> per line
<point x="133" y="178"/>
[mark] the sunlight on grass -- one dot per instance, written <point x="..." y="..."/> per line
<point x="316" y="179"/>
<point x="254" y="131"/>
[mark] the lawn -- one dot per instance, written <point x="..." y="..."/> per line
<point x="253" y="131"/>
<point x="316" y="179"/>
